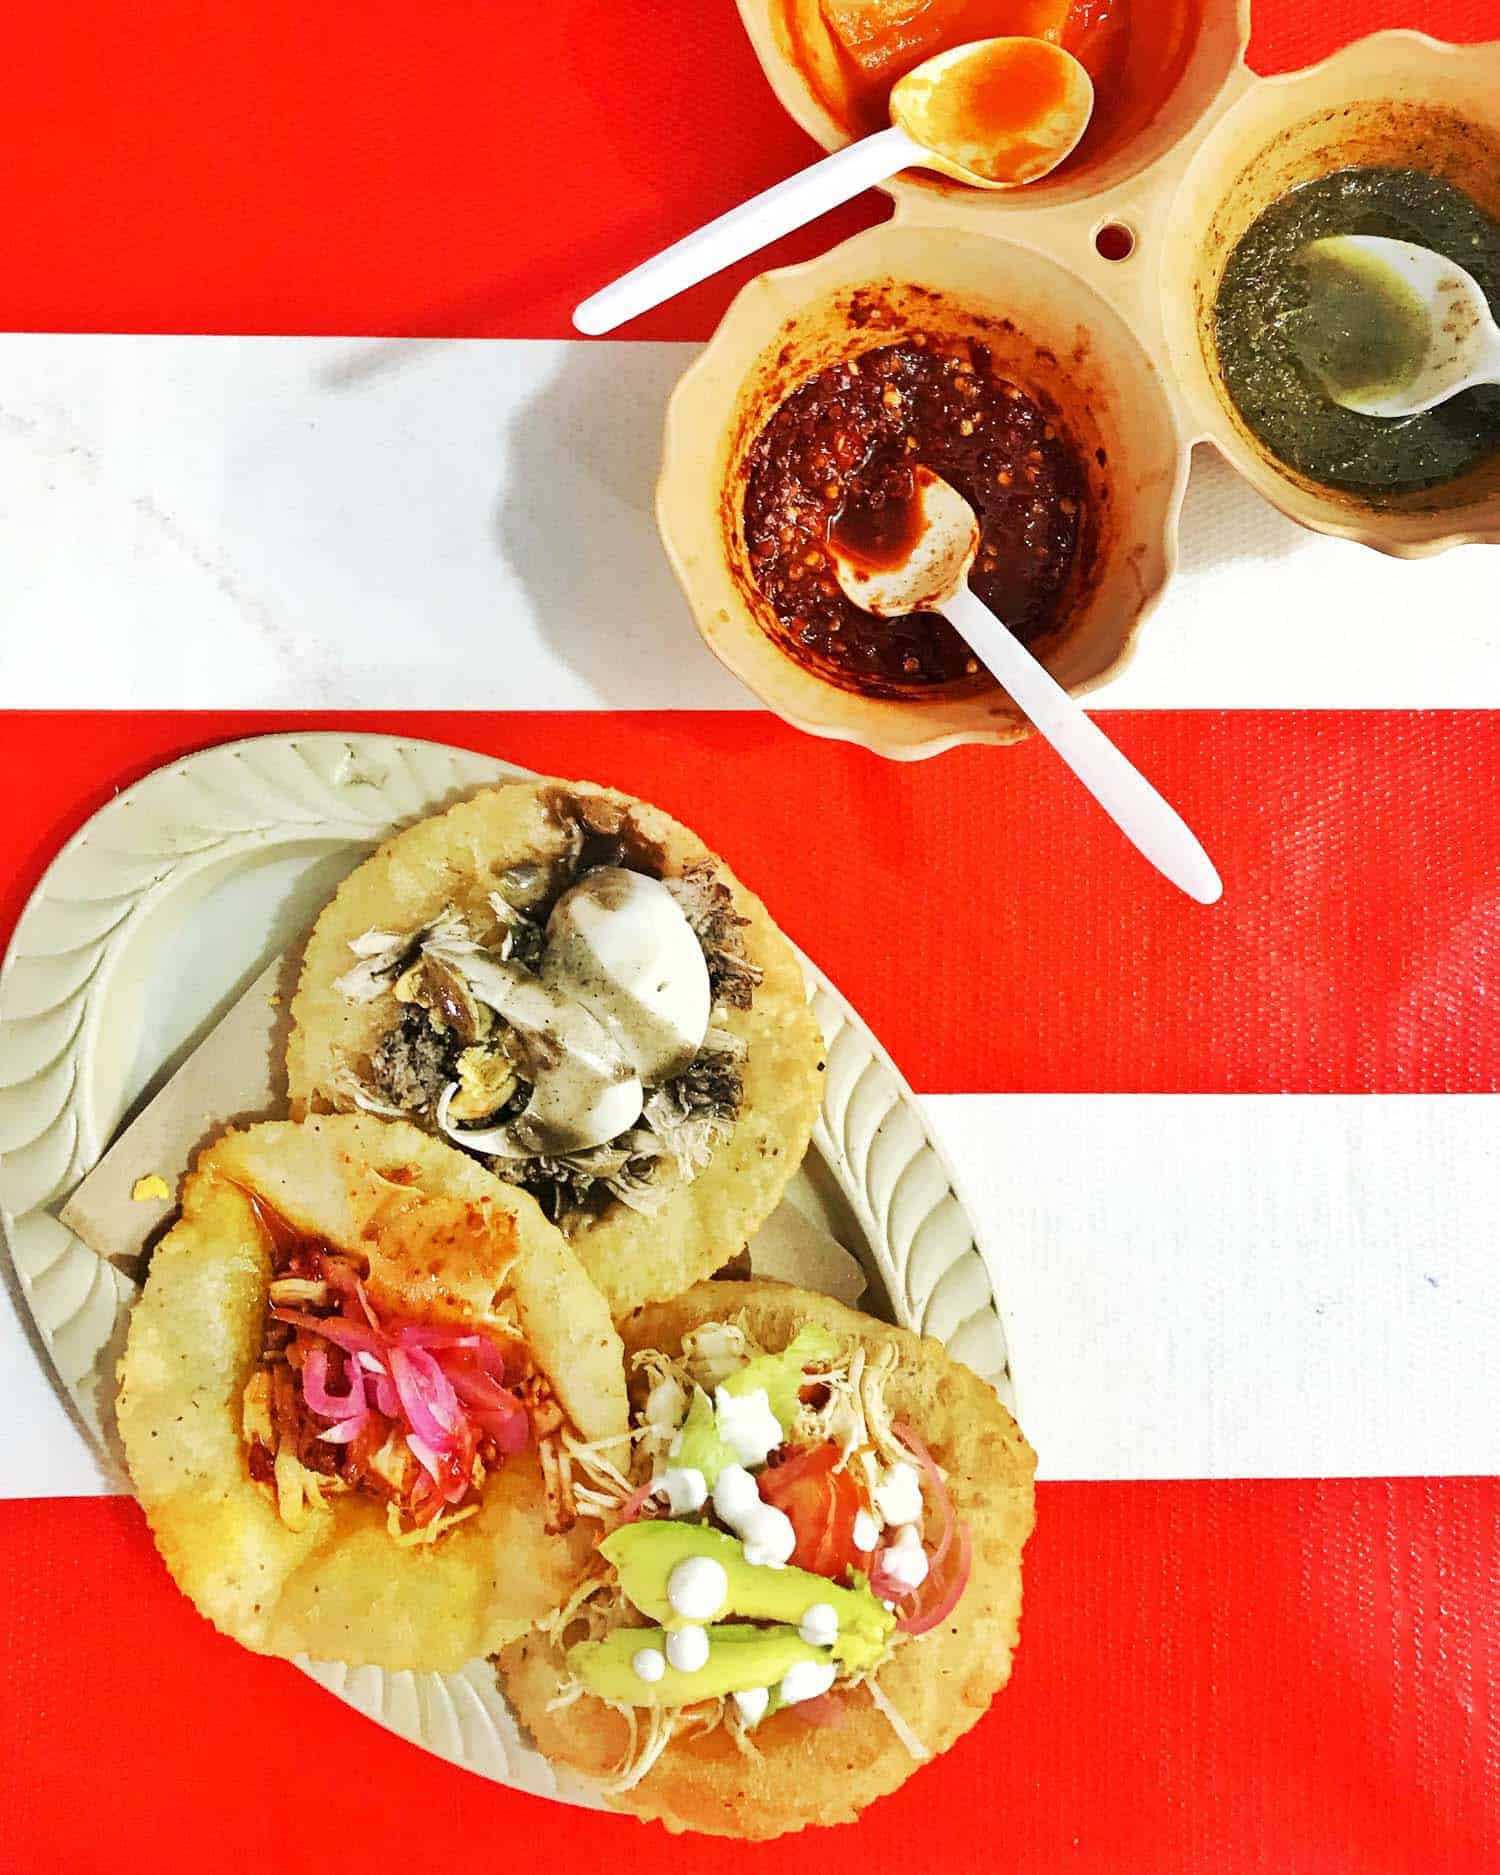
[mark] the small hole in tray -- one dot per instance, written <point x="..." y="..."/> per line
<point x="1114" y="241"/>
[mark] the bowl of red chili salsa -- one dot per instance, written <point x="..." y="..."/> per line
<point x="826" y="386"/>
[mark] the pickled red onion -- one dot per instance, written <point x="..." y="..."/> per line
<point x="349" y="1405"/>
<point x="437" y="1388"/>
<point x="510" y="1434"/>
<point x="345" y="1431"/>
<point x="943" y="1586"/>
<point x="477" y="1387"/>
<point x="921" y="1619"/>
<point x="421" y="1335"/>
<point x="427" y="1457"/>
<point x="636" y="1502"/>
<point x="346" y="1335"/>
<point x="414" y="1401"/>
<point x="445" y="1387"/>
<point x="934" y="1479"/>
<point x="887" y="1587"/>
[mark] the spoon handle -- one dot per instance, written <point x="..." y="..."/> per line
<point x="765" y="217"/>
<point x="1149" y="822"/>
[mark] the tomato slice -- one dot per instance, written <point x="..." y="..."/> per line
<point x="822" y="1500"/>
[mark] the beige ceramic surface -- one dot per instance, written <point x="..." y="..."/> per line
<point x="1122" y="349"/>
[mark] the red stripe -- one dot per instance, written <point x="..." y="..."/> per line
<point x="988" y="921"/>
<point x="452" y="170"/>
<point x="1213" y="1678"/>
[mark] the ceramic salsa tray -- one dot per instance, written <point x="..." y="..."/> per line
<point x="147" y="927"/>
<point x="1123" y="346"/>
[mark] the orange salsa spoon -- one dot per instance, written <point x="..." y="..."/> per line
<point x="995" y="114"/>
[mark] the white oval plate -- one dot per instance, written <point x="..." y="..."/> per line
<point x="148" y="925"/>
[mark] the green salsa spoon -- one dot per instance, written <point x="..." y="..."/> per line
<point x="1389" y="328"/>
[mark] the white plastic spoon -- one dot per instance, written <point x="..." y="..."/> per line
<point x="1391" y="328"/>
<point x="994" y="114"/>
<point x="916" y="558"/>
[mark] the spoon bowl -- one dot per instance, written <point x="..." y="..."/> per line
<point x="1393" y="328"/>
<point x="905" y="556"/>
<point x="996" y="113"/>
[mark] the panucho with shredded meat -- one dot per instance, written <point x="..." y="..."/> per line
<point x="566" y="984"/>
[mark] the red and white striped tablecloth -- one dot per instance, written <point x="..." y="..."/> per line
<point x="1238" y="1169"/>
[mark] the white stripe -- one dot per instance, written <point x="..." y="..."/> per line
<point x="43" y="1453"/>
<point x="1194" y="1286"/>
<point x="1243" y="1285"/>
<point x="197" y="522"/>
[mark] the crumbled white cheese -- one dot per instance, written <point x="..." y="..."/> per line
<point x="898" y="1496"/>
<point x="765" y="1531"/>
<point x="698" y="1588"/>
<point x="747" y="1425"/>
<point x="687" y="1649"/>
<point x="820" y="1625"/>
<point x="808" y="1679"/>
<point x="866" y="1530"/>
<point x="686" y="1489"/>
<point x="751" y="1704"/>
<point x="905" y="1561"/>
<point x="649" y="1665"/>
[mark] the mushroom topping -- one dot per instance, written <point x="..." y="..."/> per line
<point x="437" y="986"/>
<point x="486" y="1081"/>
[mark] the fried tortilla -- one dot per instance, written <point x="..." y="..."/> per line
<point x="682" y="1191"/>
<point x="797" y="1772"/>
<point x="286" y="1556"/>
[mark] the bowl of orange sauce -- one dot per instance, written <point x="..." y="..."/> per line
<point x="1156" y="65"/>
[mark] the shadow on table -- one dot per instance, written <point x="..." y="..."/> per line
<point x="576" y="525"/>
<point x="1223" y="519"/>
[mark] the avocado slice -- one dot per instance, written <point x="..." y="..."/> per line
<point x="781" y="1374"/>
<point x="739" y="1658"/>
<point x="698" y="1446"/>
<point x="645" y="1554"/>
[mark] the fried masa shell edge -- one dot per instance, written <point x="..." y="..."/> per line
<point x="456" y="857"/>
<point x="941" y="1684"/>
<point x="340" y="1588"/>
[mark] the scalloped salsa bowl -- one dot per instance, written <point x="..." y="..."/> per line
<point x="1396" y="100"/>
<point x="1117" y="336"/>
<point x="1048" y="332"/>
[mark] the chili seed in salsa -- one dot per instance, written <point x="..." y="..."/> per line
<point x="850" y="437"/>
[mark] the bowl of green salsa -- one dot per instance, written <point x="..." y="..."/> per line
<point x="1397" y="136"/>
